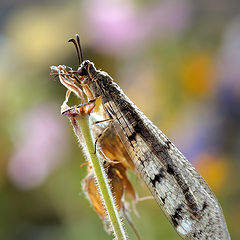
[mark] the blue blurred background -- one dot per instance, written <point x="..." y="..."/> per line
<point x="177" y="60"/>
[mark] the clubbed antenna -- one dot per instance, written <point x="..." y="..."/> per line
<point x="78" y="48"/>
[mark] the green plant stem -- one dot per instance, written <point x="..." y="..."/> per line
<point x="102" y="181"/>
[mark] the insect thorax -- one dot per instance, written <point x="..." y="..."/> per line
<point x="97" y="80"/>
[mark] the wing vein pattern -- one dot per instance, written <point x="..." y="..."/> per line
<point x="181" y="192"/>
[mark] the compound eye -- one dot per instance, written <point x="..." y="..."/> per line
<point x="82" y="71"/>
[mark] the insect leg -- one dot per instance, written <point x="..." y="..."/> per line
<point x="100" y="135"/>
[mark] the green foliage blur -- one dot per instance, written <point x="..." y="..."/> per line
<point x="178" y="61"/>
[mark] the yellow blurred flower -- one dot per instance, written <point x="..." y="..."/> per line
<point x="198" y="74"/>
<point x="38" y="32"/>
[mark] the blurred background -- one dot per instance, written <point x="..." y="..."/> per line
<point x="178" y="61"/>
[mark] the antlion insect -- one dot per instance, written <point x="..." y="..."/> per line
<point x="183" y="195"/>
<point x="110" y="148"/>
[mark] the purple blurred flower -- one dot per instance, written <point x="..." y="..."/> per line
<point x="229" y="88"/>
<point x="40" y="146"/>
<point x="117" y="26"/>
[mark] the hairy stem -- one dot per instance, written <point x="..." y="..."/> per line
<point x="82" y="130"/>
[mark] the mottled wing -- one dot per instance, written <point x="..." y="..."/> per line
<point x="181" y="192"/>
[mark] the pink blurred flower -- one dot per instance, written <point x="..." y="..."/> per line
<point x="117" y="26"/>
<point x="229" y="56"/>
<point x="40" y="146"/>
